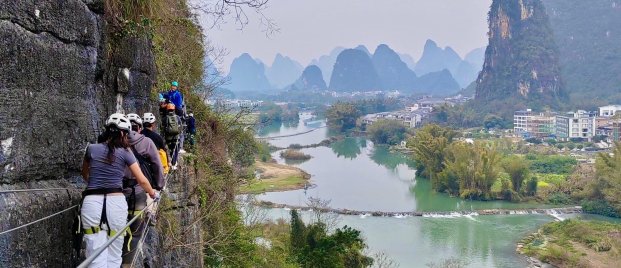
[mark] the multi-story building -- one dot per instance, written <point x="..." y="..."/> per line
<point x="527" y="123"/>
<point x="580" y="124"/>
<point x="609" y="110"/>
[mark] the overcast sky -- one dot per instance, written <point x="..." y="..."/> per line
<point x="311" y="28"/>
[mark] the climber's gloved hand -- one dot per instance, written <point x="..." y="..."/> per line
<point x="156" y="195"/>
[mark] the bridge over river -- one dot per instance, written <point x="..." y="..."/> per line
<point x="553" y="212"/>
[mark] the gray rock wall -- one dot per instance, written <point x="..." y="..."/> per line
<point x="176" y="241"/>
<point x="58" y="83"/>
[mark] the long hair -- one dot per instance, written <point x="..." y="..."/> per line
<point x="115" y="139"/>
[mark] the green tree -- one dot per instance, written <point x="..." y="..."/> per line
<point x="474" y="166"/>
<point x="428" y="146"/>
<point x="342" y="116"/>
<point x="387" y="132"/>
<point x="297" y="233"/>
<point x="314" y="247"/>
<point x="608" y="172"/>
<point x="531" y="186"/>
<point x="518" y="169"/>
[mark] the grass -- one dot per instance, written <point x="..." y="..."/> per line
<point x="275" y="178"/>
<point x="576" y="243"/>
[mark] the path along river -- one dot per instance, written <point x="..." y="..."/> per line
<point x="357" y="175"/>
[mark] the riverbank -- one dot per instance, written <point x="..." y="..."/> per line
<point x="575" y="243"/>
<point x="274" y="177"/>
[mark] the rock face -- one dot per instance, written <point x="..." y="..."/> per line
<point x="162" y="244"/>
<point x="392" y="71"/>
<point x="283" y="71"/>
<point x="521" y="61"/>
<point x="60" y="78"/>
<point x="436" y="59"/>
<point x="588" y="35"/>
<point x="311" y="79"/>
<point x="326" y="62"/>
<point x="437" y="83"/>
<point x="246" y="74"/>
<point x="354" y="71"/>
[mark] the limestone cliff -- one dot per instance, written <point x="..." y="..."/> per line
<point x="521" y="61"/>
<point x="60" y="77"/>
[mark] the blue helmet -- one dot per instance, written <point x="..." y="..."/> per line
<point x="174" y="84"/>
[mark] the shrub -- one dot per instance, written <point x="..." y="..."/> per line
<point x="600" y="207"/>
<point x="559" y="199"/>
<point x="291" y="154"/>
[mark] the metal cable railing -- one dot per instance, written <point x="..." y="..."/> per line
<point x="39" y="220"/>
<point x="33" y="190"/>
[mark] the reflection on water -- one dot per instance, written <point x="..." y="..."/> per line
<point x="348" y="148"/>
<point x="480" y="241"/>
<point x="355" y="174"/>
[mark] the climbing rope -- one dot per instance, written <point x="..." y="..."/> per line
<point x="39" y="220"/>
<point x="33" y="190"/>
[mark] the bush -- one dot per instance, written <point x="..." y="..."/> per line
<point x="559" y="199"/>
<point x="533" y="140"/>
<point x="531" y="186"/>
<point x="600" y="207"/>
<point x="389" y="132"/>
<point x="291" y="154"/>
<point x="556" y="164"/>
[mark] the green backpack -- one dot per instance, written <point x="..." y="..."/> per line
<point x="172" y="127"/>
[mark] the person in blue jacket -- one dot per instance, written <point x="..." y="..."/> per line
<point x="175" y="97"/>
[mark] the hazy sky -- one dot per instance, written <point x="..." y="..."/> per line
<point x="311" y="28"/>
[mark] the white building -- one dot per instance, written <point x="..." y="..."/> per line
<point x="609" y="110"/>
<point x="580" y="124"/>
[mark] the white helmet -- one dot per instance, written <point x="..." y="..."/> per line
<point x="134" y="118"/>
<point x="149" y="118"/>
<point x="118" y="120"/>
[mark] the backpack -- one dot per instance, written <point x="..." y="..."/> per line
<point x="164" y="159"/>
<point x="145" y="166"/>
<point x="172" y="128"/>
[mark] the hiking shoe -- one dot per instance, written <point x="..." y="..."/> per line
<point x="174" y="167"/>
<point x="182" y="151"/>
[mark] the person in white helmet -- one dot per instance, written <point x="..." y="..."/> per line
<point x="148" y="122"/>
<point x="148" y="158"/>
<point x="104" y="209"/>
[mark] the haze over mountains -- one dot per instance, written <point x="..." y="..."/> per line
<point x="440" y="71"/>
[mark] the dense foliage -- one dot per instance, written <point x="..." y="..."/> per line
<point x="489" y="169"/>
<point x="273" y="113"/>
<point x="389" y="132"/>
<point x="313" y="246"/>
<point x="551" y="164"/>
<point x="589" y="51"/>
<point x="342" y="116"/>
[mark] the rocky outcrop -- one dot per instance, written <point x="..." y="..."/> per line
<point x="176" y="241"/>
<point x="61" y="77"/>
<point x="247" y="74"/>
<point x="587" y="34"/>
<point x="521" y="61"/>
<point x="393" y="72"/>
<point x="311" y="79"/>
<point x="354" y="71"/>
<point x="283" y="71"/>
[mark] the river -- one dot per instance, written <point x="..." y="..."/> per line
<point x="355" y="174"/>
